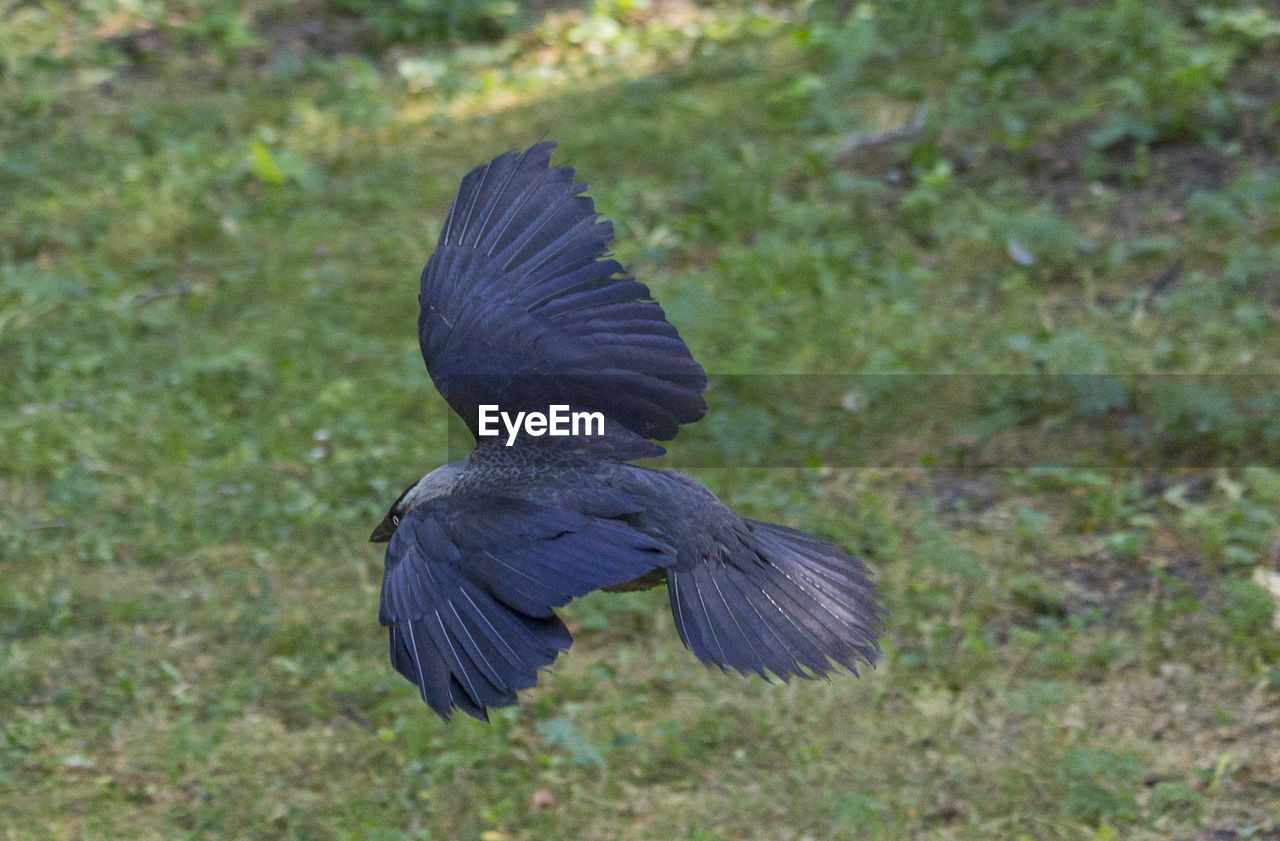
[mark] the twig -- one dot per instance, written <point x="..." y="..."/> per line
<point x="1163" y="283"/>
<point x="858" y="142"/>
<point x="182" y="287"/>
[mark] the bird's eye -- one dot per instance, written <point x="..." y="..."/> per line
<point x="395" y="521"/>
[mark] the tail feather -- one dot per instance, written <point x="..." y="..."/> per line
<point x="777" y="601"/>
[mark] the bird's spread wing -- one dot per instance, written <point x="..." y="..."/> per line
<point x="521" y="308"/>
<point x="469" y="587"/>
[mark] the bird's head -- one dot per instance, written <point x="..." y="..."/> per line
<point x="437" y="483"/>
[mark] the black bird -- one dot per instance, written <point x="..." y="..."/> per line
<point x="521" y="308"/>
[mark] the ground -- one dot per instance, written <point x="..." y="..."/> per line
<point x="988" y="293"/>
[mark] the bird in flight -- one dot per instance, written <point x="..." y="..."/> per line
<point x="522" y="311"/>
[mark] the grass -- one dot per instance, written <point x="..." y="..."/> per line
<point x="210" y="391"/>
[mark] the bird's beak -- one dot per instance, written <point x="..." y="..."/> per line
<point x="384" y="531"/>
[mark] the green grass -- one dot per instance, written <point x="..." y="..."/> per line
<point x="210" y="391"/>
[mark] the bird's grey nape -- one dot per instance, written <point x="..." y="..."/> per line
<point x="439" y="482"/>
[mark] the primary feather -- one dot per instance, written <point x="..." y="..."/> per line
<point x="521" y="308"/>
<point x="470" y="584"/>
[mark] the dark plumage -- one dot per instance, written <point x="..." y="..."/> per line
<point x="521" y="308"/>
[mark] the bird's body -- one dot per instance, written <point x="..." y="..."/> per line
<point x="519" y="310"/>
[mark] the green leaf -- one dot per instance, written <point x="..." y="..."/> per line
<point x="264" y="164"/>
<point x="563" y="733"/>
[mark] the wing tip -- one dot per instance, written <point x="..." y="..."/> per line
<point x="523" y="253"/>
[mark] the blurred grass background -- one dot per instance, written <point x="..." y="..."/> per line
<point x="212" y="216"/>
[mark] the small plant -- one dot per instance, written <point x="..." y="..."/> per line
<point x="1176" y="802"/>
<point x="414" y="21"/>
<point x="1100" y="786"/>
